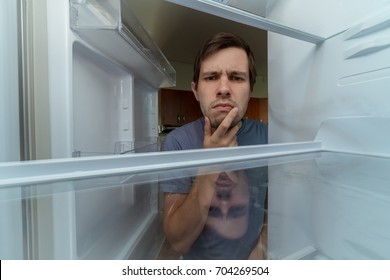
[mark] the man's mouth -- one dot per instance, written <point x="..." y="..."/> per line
<point x="224" y="181"/>
<point x="223" y="105"/>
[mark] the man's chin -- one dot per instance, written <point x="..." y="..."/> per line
<point x="216" y="123"/>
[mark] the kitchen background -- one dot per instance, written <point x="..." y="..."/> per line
<point x="179" y="32"/>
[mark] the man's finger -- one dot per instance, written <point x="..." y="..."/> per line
<point x="207" y="127"/>
<point x="226" y="123"/>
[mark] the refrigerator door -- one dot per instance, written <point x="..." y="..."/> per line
<point x="11" y="213"/>
<point x="95" y="93"/>
<point x="9" y="82"/>
<point x="104" y="74"/>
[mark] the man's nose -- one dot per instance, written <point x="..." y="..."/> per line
<point x="224" y="207"/>
<point x="224" y="89"/>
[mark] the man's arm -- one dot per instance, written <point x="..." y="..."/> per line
<point x="185" y="214"/>
<point x="259" y="252"/>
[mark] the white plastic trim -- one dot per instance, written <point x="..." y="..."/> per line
<point x="77" y="168"/>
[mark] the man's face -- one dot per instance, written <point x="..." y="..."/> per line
<point x="229" y="207"/>
<point x="223" y="84"/>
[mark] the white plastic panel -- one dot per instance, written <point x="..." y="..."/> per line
<point x="311" y="21"/>
<point x="357" y="135"/>
<point x="13" y="240"/>
<point x="308" y="84"/>
<point x="126" y="211"/>
<point x="106" y="24"/>
<point x="93" y="62"/>
<point x="102" y="103"/>
<point x="11" y="209"/>
<point x="322" y="18"/>
<point x="87" y="167"/>
<point x="331" y="207"/>
<point x="60" y="44"/>
<point x="146" y="116"/>
<point x="255" y="17"/>
<point x="101" y="218"/>
<point x="9" y="82"/>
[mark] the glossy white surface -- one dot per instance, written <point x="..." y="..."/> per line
<point x="9" y="82"/>
<point x="98" y="72"/>
<point x="311" y="84"/>
<point x="331" y="207"/>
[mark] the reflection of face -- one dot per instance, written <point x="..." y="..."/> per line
<point x="229" y="208"/>
<point x="223" y="84"/>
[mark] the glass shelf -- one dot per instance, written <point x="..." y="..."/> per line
<point x="320" y="205"/>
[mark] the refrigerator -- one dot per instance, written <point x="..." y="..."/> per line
<point x="327" y="157"/>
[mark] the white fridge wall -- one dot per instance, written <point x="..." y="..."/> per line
<point x="331" y="208"/>
<point x="321" y="18"/>
<point x="92" y="74"/>
<point x="312" y="83"/>
<point x="145" y="114"/>
<point x="125" y="213"/>
<point x="102" y="103"/>
<point x="11" y="214"/>
<point x="90" y="96"/>
<point x="345" y="76"/>
<point x="12" y="221"/>
<point x="9" y="82"/>
<point x="60" y="42"/>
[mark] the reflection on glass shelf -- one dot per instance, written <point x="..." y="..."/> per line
<point x="320" y="206"/>
<point x="125" y="147"/>
<point x="333" y="207"/>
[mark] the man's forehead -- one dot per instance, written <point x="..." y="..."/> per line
<point x="216" y="70"/>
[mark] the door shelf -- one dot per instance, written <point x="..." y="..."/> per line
<point x="114" y="30"/>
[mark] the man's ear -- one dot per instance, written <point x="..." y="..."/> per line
<point x="193" y="88"/>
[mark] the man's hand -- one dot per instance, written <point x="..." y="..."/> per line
<point x="223" y="136"/>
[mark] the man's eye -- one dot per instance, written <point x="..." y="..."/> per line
<point x="215" y="212"/>
<point x="237" y="78"/>
<point x="237" y="211"/>
<point x="210" y="78"/>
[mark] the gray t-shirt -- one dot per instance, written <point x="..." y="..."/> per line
<point x="190" y="136"/>
<point x="209" y="244"/>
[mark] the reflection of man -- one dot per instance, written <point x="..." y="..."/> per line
<point x="205" y="215"/>
<point x="229" y="208"/>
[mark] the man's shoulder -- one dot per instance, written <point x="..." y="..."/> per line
<point x="185" y="137"/>
<point x="191" y="128"/>
<point x="250" y="125"/>
<point x="253" y="132"/>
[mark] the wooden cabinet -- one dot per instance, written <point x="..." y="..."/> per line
<point x="178" y="107"/>
<point x="258" y="109"/>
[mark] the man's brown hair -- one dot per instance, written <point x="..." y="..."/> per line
<point x="219" y="42"/>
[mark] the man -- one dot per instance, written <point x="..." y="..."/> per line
<point x="207" y="217"/>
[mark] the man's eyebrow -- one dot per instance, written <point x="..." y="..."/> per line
<point x="233" y="72"/>
<point x="236" y="72"/>
<point x="238" y="211"/>
<point x="212" y="72"/>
